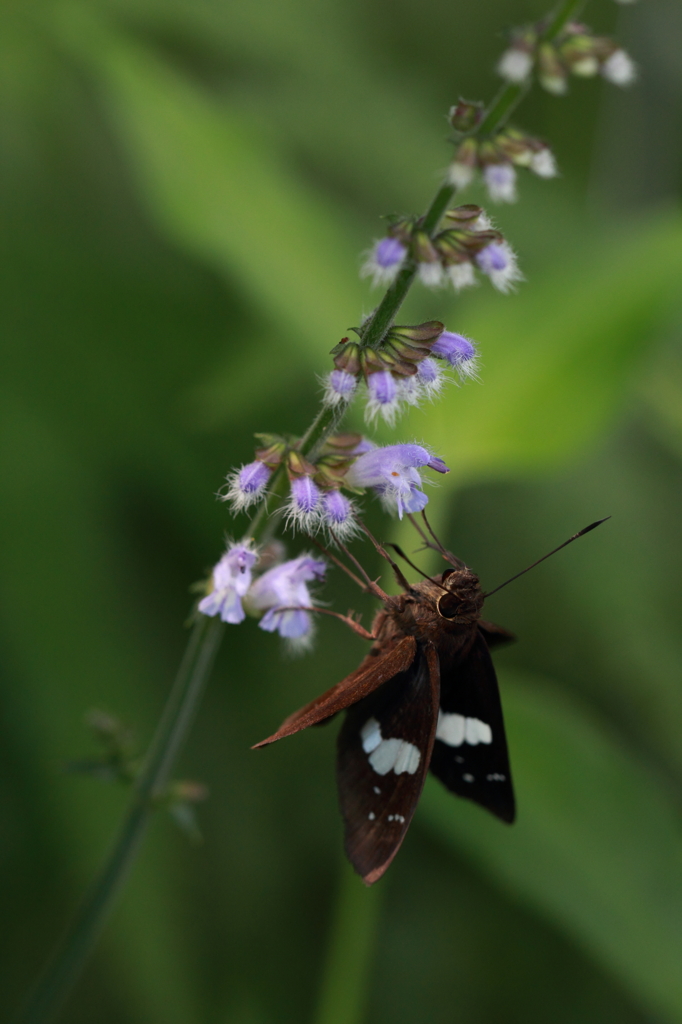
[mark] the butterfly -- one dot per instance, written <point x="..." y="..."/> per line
<point x="425" y="698"/>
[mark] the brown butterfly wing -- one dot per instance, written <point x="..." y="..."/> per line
<point x="374" y="671"/>
<point x="470" y="754"/>
<point x="384" y="751"/>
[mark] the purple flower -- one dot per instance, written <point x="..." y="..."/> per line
<point x="337" y="513"/>
<point x="383" y="396"/>
<point x="498" y="261"/>
<point x="339" y="387"/>
<point x="500" y="180"/>
<point x="458" y="351"/>
<point x="247" y="485"/>
<point x="425" y="383"/>
<point x="430" y="376"/>
<point x="282" y="594"/>
<point x="384" y="261"/>
<point x="231" y="580"/>
<point x="303" y="508"/>
<point x="394" y="472"/>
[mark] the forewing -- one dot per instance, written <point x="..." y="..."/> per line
<point x="375" y="670"/>
<point x="384" y="750"/>
<point x="470" y="752"/>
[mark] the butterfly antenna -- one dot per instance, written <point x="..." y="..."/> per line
<point x="428" y="544"/>
<point x="399" y="551"/>
<point x="404" y="583"/>
<point x="337" y="561"/>
<point x="447" y="555"/>
<point x="570" y="540"/>
<point x="369" y="584"/>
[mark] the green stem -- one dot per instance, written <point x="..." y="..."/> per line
<point x="375" y="328"/>
<point x="70" y="957"/>
<point x="345" y="977"/>
<point x="566" y="12"/>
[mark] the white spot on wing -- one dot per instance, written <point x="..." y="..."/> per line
<point x="370" y="734"/>
<point x="456" y="729"/>
<point x="376" y="790"/>
<point x="477" y="732"/>
<point x="496" y="777"/>
<point x="467" y="777"/>
<point x="388" y="754"/>
<point x="451" y="729"/>
<point x="371" y="815"/>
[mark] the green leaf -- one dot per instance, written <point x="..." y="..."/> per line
<point x="597" y="847"/>
<point x="219" y="189"/>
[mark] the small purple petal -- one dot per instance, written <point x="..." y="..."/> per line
<point x="428" y="371"/>
<point x="290" y="624"/>
<point x="337" y="508"/>
<point x="340" y="387"/>
<point x="498" y="261"/>
<point x="493" y="257"/>
<point x="437" y="464"/>
<point x="305" y="494"/>
<point x="454" y="347"/>
<point x="389" y="251"/>
<point x="253" y="477"/>
<point x="382" y="387"/>
<point x="500" y="181"/>
<point x="415" y="501"/>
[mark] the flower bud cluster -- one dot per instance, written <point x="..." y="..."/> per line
<point x="403" y="370"/>
<point x="467" y="242"/>
<point x="278" y="596"/>
<point x="315" y="500"/>
<point x="576" y="51"/>
<point x="497" y="159"/>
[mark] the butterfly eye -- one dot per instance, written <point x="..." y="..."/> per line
<point x="449" y="605"/>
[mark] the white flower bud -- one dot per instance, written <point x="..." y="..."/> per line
<point x="543" y="163"/>
<point x="619" y="68"/>
<point x="515" y="65"/>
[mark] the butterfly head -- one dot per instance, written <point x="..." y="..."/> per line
<point x="463" y="599"/>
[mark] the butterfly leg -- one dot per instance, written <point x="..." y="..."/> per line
<point x="352" y="620"/>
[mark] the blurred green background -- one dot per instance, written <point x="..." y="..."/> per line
<point x="186" y="187"/>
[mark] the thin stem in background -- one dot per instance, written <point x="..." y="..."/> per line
<point x="70" y="957"/>
<point x="350" y="951"/>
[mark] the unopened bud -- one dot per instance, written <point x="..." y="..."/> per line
<point x="419" y="332"/>
<point x="462" y="215"/>
<point x="465" y="115"/>
<point x="461" y="170"/>
<point x="344" y="442"/>
<point x="515" y="64"/>
<point x="347" y="356"/>
<point x="580" y="54"/>
<point x="552" y="73"/>
<point x="619" y="68"/>
<point x="298" y="465"/>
